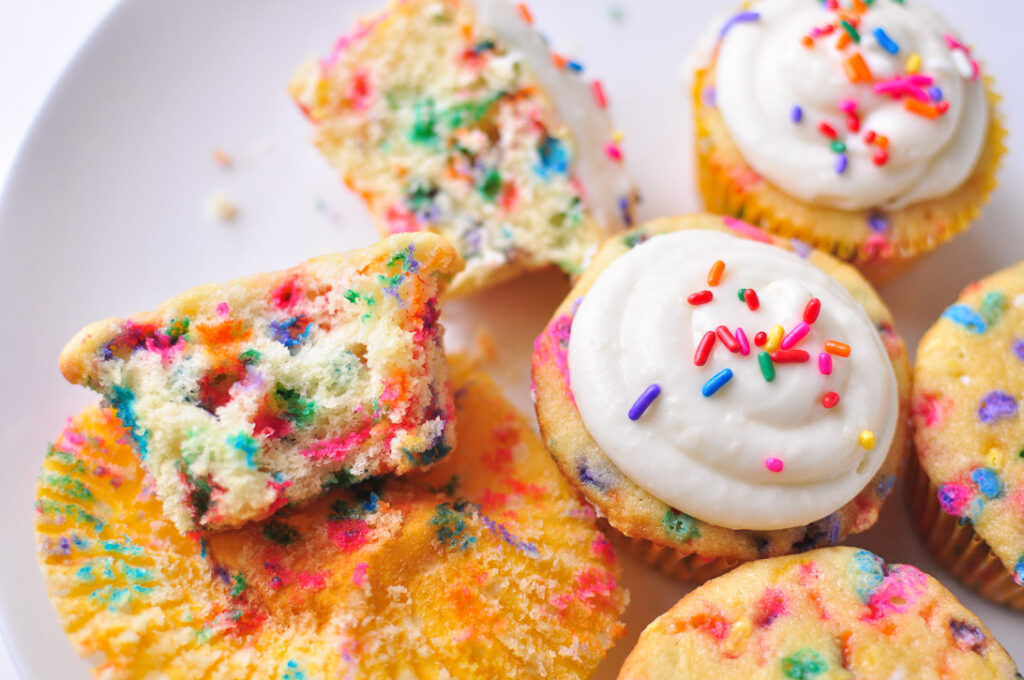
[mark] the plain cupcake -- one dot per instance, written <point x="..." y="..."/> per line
<point x="967" y="484"/>
<point x="831" y="613"/>
<point x="718" y="398"/>
<point x="867" y="129"/>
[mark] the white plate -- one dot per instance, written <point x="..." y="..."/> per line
<point x="103" y="215"/>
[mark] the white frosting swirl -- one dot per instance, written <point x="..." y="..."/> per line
<point x="762" y="71"/>
<point x="706" y="456"/>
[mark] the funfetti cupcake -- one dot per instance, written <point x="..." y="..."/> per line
<point x="968" y="484"/>
<point x="831" y="614"/>
<point x="454" y="116"/>
<point x="867" y="129"/>
<point x="720" y="399"/>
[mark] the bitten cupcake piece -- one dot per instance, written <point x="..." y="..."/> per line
<point x="486" y="566"/>
<point x="832" y="613"/>
<point x="455" y="117"/>
<point x="245" y="396"/>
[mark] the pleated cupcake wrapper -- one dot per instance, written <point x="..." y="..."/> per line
<point x="730" y="187"/>
<point x="957" y="546"/>
<point x="688" y="567"/>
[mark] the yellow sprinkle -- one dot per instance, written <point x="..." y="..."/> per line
<point x="867" y="439"/>
<point x="914" y="63"/>
<point x="738" y="636"/>
<point x="774" y="339"/>
<point x="996" y="457"/>
<point x="617" y="136"/>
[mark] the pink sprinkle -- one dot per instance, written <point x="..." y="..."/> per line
<point x="223" y="309"/>
<point x="893" y="86"/>
<point x="825" y="363"/>
<point x="598" y="91"/>
<point x="848" y="106"/>
<point x="773" y="464"/>
<point x="917" y="93"/>
<point x="359" y="574"/>
<point x="744" y="229"/>
<point x="953" y="43"/>
<point x="920" y="80"/>
<point x="613" y="151"/>
<point x="796" y="335"/>
<point x="741" y="338"/>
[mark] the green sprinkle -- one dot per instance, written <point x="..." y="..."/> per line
<point x="490" y="184"/>
<point x="424" y="123"/>
<point x="838" y="146"/>
<point x="804" y="664"/>
<point x="992" y="306"/>
<point x="680" y="526"/>
<point x="250" y="356"/>
<point x="280" y="533"/>
<point x="740" y="293"/>
<point x="850" y="30"/>
<point x="767" y="367"/>
<point x="240" y="585"/>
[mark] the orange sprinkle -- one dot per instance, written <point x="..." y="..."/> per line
<point x="807" y="41"/>
<point x="920" y="108"/>
<point x="857" y="70"/>
<point x="524" y="12"/>
<point x="466" y="30"/>
<point x="558" y="60"/>
<point x="715" y="274"/>
<point x="882" y="141"/>
<point x="859" y="6"/>
<point x="844" y="40"/>
<point x="840" y="349"/>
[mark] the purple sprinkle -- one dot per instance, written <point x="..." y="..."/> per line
<point x="708" y="96"/>
<point x="878" y="223"/>
<point x="800" y="248"/>
<point x="644" y="401"/>
<point x="736" y="19"/>
<point x="796" y="114"/>
<point x="968" y="637"/>
<point x="841" y="162"/>
<point x="997" y="405"/>
<point x="935" y="93"/>
<point x="1018" y="349"/>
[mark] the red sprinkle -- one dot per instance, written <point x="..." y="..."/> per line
<point x="853" y="123"/>
<point x="881" y="157"/>
<point x="869" y="137"/>
<point x="728" y="339"/>
<point x="750" y="297"/>
<point x="598" y="91"/>
<point x="715" y="273"/>
<point x="830" y="400"/>
<point x="760" y="338"/>
<point x="942" y="107"/>
<point x="701" y="298"/>
<point x="704" y="348"/>
<point x="790" y="356"/>
<point x="827" y="130"/>
<point x="812" y="310"/>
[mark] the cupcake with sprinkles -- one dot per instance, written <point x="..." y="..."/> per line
<point x="866" y="128"/>
<point x="967" y="486"/>
<point x="831" y="613"/>
<point x="454" y="116"/>
<point x="246" y="396"/>
<point x="721" y="398"/>
<point x="488" y="565"/>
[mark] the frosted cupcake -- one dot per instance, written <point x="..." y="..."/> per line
<point x="968" y="483"/>
<point x="866" y="129"/>
<point x="720" y="399"/>
<point x="456" y="117"/>
<point x="833" y="613"/>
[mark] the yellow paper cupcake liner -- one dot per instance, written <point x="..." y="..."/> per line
<point x="731" y="187"/>
<point x="957" y="546"/>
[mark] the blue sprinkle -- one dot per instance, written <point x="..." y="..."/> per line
<point x="554" y="158"/>
<point x="841" y="161"/>
<point x="885" y="41"/>
<point x="988" y="482"/>
<point x="282" y="331"/>
<point x="935" y="92"/>
<point x="574" y="66"/>
<point x="716" y="382"/>
<point x="736" y="19"/>
<point x="625" y="211"/>
<point x="962" y="315"/>
<point x="644" y="401"/>
<point x="1018" y="349"/>
<point x="1018" y="572"/>
<point x="878" y="223"/>
<point x="796" y="114"/>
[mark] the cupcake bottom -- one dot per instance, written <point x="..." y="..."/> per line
<point x="689" y="567"/>
<point x="957" y="546"/>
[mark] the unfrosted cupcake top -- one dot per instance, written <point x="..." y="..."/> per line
<point x="733" y="380"/>
<point x="832" y="613"/>
<point x="851" y="104"/>
<point x="968" y="383"/>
